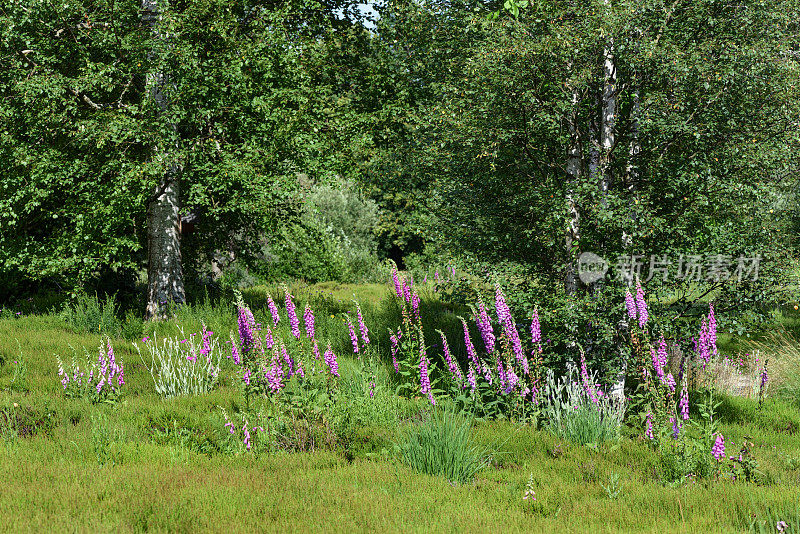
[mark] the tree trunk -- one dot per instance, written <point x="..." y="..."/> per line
<point x="574" y="167"/>
<point x="164" y="270"/>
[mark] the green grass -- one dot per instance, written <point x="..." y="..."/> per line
<point x="166" y="467"/>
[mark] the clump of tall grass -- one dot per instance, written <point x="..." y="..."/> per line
<point x="573" y="414"/>
<point x="780" y="518"/>
<point x="442" y="445"/>
<point x="183" y="365"/>
<point x="783" y="352"/>
<point x="90" y="314"/>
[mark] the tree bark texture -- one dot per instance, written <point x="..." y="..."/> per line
<point x="164" y="269"/>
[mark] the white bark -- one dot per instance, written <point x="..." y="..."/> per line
<point x="164" y="270"/>
<point x="574" y="167"/>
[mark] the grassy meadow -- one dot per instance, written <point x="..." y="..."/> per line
<point x="149" y="464"/>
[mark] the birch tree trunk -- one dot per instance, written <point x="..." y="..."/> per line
<point x="574" y="168"/>
<point x="164" y="270"/>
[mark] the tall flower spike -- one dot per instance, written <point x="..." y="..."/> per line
<point x="648" y="431"/>
<point x="398" y="286"/>
<point x="395" y="339"/>
<point x="291" y="311"/>
<point x="273" y="310"/>
<point x="308" y="318"/>
<point x="630" y="305"/>
<point x="712" y="331"/>
<point x="718" y="450"/>
<point x="245" y="329"/>
<point x="683" y="404"/>
<point x="424" y="378"/>
<point x="641" y="305"/>
<point x="485" y="327"/>
<point x="452" y="365"/>
<point x="536" y="332"/>
<point x="353" y="336"/>
<point x="330" y="359"/>
<point x="470" y="347"/>
<point x="362" y="325"/>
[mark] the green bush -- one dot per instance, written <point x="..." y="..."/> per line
<point x="302" y="251"/>
<point x="350" y="220"/>
<point x="442" y="445"/>
<point x="89" y="314"/>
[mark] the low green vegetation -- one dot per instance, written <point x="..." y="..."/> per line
<point x="348" y="453"/>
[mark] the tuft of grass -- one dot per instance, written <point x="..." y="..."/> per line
<point x="442" y="445"/>
<point x="572" y="415"/>
<point x="783" y="351"/>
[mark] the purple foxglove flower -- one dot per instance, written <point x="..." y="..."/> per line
<point x="275" y="373"/>
<point x="676" y="428"/>
<point x="657" y="364"/>
<point x="630" y="305"/>
<point x="501" y="373"/>
<point x="395" y="339"/>
<point x="362" y="326"/>
<point x="246" y="436"/>
<point x="436" y="275"/>
<point x="702" y="346"/>
<point x="641" y="305"/>
<point x="229" y="424"/>
<point x="588" y="386"/>
<point x="424" y="378"/>
<point x="511" y="380"/>
<point x="648" y="432"/>
<point x="503" y="312"/>
<point x="308" y="318"/>
<point x="471" y="377"/>
<point x="663" y="357"/>
<point x="237" y="358"/>
<point x="245" y="329"/>
<point x="669" y="381"/>
<point x="415" y="303"/>
<point x="291" y="311"/>
<point x="269" y="338"/>
<point x="315" y="350"/>
<point x="398" y="287"/>
<point x="206" y="341"/>
<point x="516" y="346"/>
<point x="452" y="365"/>
<point x="353" y="336"/>
<point x="485" y="328"/>
<point x="684" y="402"/>
<point x="273" y="310"/>
<point x="406" y="291"/>
<point x="470" y="348"/>
<point x="330" y="359"/>
<point x="536" y="333"/>
<point x="246" y="376"/>
<point x="712" y="330"/>
<point x="764" y="377"/>
<point x="718" y="450"/>
<point x="288" y="360"/>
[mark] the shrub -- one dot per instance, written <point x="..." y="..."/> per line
<point x="573" y="414"/>
<point x="442" y="445"/>
<point x="302" y="251"/>
<point x="89" y="314"/>
<point x="351" y="221"/>
<point x="183" y="366"/>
